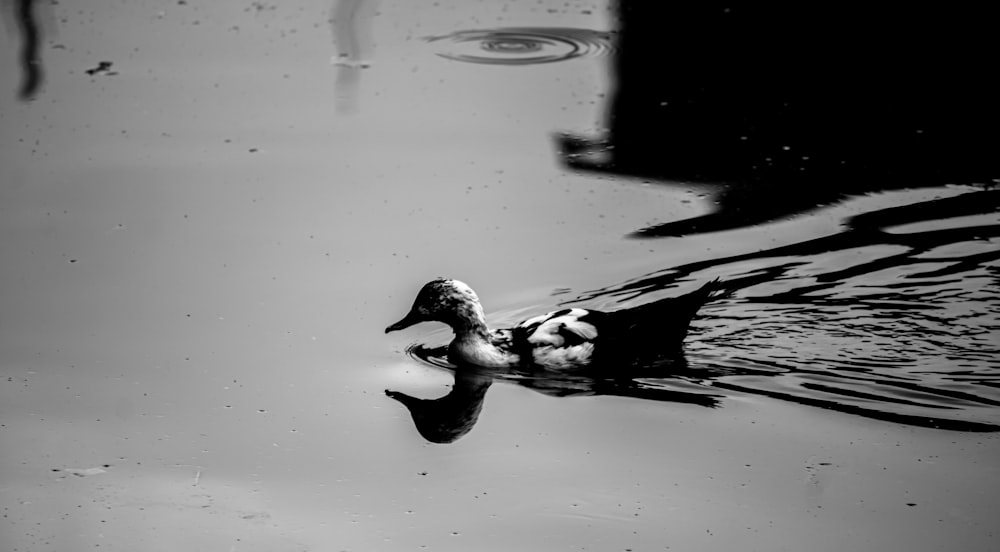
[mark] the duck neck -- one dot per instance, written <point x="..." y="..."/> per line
<point x="469" y="323"/>
<point x="472" y="343"/>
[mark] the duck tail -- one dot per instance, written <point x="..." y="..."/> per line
<point x="655" y="331"/>
<point x="687" y="305"/>
<point x="670" y="318"/>
<point x="713" y="290"/>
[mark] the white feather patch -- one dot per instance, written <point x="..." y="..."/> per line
<point x="547" y="333"/>
<point x="563" y="357"/>
<point x="582" y="329"/>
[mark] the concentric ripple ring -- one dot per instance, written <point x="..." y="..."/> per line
<point x="522" y="45"/>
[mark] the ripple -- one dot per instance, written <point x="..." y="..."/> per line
<point x="522" y="45"/>
<point x="895" y="316"/>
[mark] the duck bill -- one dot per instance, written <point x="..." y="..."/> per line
<point x="407" y="321"/>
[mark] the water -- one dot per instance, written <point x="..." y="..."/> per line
<point x="893" y="316"/>
<point x="204" y="241"/>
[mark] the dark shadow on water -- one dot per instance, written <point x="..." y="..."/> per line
<point x="864" y="230"/>
<point x="782" y="109"/>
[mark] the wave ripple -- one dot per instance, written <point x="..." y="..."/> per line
<point x="522" y="45"/>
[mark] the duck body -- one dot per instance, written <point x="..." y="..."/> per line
<point x="564" y="340"/>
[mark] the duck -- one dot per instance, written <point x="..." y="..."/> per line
<point x="565" y="340"/>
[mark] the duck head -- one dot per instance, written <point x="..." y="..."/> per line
<point x="449" y="301"/>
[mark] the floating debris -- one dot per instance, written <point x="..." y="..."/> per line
<point x="103" y="68"/>
<point x="82" y="472"/>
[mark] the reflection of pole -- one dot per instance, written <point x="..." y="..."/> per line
<point x="351" y="22"/>
<point x="30" y="55"/>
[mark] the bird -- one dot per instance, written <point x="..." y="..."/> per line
<point x="566" y="340"/>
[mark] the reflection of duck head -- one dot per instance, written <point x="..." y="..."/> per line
<point x="447" y="418"/>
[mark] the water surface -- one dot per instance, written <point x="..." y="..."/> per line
<point x="203" y="242"/>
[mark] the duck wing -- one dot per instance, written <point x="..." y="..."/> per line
<point x="575" y="338"/>
<point x="559" y="340"/>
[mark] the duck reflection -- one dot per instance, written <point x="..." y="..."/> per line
<point x="446" y="419"/>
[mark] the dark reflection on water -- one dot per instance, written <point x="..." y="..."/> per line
<point x="769" y="107"/>
<point x="522" y="45"/>
<point x="446" y="419"/>
<point x="862" y="231"/>
<point x="25" y="17"/>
